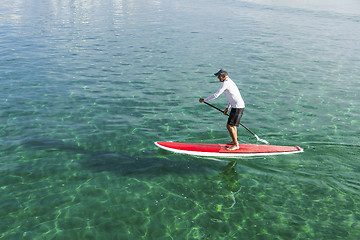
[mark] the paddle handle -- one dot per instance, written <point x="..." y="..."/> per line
<point x="215" y="107"/>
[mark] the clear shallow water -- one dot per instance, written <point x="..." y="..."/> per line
<point x="88" y="86"/>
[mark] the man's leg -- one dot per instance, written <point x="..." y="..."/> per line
<point x="233" y="133"/>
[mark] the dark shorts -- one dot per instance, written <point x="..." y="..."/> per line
<point x="235" y="116"/>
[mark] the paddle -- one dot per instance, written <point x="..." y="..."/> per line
<point x="259" y="139"/>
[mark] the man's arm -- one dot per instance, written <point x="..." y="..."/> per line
<point x="217" y="94"/>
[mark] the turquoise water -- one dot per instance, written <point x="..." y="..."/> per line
<point x="88" y="86"/>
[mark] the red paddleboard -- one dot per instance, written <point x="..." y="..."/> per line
<point x="219" y="150"/>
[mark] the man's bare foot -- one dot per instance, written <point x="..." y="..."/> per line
<point x="232" y="148"/>
<point x="231" y="143"/>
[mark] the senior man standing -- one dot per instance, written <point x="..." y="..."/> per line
<point x="235" y="101"/>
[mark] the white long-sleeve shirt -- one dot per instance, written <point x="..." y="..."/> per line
<point x="232" y="94"/>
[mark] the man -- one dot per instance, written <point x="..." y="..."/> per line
<point x="235" y="101"/>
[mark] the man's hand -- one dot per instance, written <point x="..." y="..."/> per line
<point x="201" y="100"/>
<point x="226" y="111"/>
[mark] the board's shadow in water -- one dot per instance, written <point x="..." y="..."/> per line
<point x="148" y="163"/>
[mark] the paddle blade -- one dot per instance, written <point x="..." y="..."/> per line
<point x="261" y="140"/>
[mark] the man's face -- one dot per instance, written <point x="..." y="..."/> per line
<point x="221" y="78"/>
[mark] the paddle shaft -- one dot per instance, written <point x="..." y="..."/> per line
<point x="228" y="115"/>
